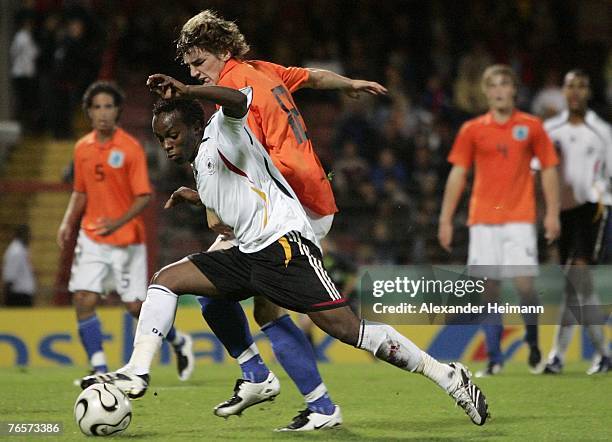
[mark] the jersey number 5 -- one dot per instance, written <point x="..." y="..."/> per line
<point x="284" y="100"/>
<point x="99" y="172"/>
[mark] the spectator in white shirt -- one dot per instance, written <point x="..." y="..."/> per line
<point x="24" y="52"/>
<point x="17" y="273"/>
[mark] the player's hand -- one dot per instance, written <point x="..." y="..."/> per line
<point x="445" y="235"/>
<point x="219" y="227"/>
<point x="63" y="235"/>
<point x="552" y="227"/>
<point x="166" y="86"/>
<point x="106" y="226"/>
<point x="183" y="195"/>
<point x="368" y="87"/>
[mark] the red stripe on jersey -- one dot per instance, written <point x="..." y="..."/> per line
<point x="336" y="301"/>
<point x="231" y="167"/>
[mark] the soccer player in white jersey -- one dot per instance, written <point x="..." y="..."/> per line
<point x="278" y="255"/>
<point x="584" y="143"/>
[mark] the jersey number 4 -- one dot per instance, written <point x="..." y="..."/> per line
<point x="284" y="100"/>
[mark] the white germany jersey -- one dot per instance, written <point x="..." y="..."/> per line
<point x="586" y="151"/>
<point x="236" y="179"/>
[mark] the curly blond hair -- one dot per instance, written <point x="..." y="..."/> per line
<point x="212" y="33"/>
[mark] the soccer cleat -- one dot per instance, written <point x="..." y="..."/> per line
<point x="492" y="369"/>
<point x="308" y="420"/>
<point x="185" y="360"/>
<point x="553" y="367"/>
<point x="468" y="396"/>
<point x="535" y="358"/>
<point x="602" y="365"/>
<point x="247" y="394"/>
<point x="93" y="371"/>
<point x="134" y="386"/>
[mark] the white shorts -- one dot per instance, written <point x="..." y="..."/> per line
<point x="101" y="268"/>
<point x="321" y="224"/>
<point x="503" y="250"/>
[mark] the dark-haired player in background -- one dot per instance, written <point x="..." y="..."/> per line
<point x="111" y="189"/>
<point x="584" y="143"/>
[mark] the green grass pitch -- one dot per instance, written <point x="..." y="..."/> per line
<point x="379" y="403"/>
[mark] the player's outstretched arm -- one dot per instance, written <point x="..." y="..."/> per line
<point x="234" y="102"/>
<point x="452" y="194"/>
<point x="324" y="79"/>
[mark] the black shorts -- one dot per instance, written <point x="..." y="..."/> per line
<point x="289" y="272"/>
<point x="582" y="230"/>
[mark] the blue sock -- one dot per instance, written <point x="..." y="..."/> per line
<point x="493" y="329"/>
<point x="295" y="354"/>
<point x="171" y="336"/>
<point x="90" y="332"/>
<point x="254" y="369"/>
<point x="229" y="323"/>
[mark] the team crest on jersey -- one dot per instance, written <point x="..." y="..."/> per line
<point x="211" y="165"/>
<point x="520" y="132"/>
<point x="116" y="159"/>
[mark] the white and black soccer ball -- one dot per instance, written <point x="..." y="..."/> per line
<point x="102" y="410"/>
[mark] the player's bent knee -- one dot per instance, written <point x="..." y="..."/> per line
<point x="265" y="311"/>
<point x="341" y="324"/>
<point x="85" y="304"/>
<point x="134" y="308"/>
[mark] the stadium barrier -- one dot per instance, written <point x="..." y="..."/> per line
<point x="48" y="337"/>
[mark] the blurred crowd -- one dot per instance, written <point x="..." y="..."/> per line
<point x="386" y="157"/>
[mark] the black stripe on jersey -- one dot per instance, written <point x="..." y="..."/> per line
<point x="250" y="138"/>
<point x="277" y="182"/>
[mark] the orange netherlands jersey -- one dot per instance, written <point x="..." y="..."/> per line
<point x="503" y="189"/>
<point x="111" y="174"/>
<point x="277" y="123"/>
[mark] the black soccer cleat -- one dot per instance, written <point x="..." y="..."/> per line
<point x="308" y="420"/>
<point x="553" y="367"/>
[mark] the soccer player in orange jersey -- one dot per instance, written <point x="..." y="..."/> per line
<point x="111" y="189"/>
<point x="502" y="215"/>
<point x="214" y="50"/>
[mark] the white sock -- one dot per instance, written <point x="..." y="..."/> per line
<point x="598" y="338"/>
<point x="390" y="346"/>
<point x="563" y="338"/>
<point x="156" y="319"/>
<point x="384" y="342"/>
<point x="248" y="354"/>
<point x="97" y="359"/>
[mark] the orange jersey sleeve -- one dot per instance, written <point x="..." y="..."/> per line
<point x="79" y="184"/>
<point x="462" y="152"/>
<point x="293" y="77"/>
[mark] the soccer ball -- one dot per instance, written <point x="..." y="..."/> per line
<point x="102" y="410"/>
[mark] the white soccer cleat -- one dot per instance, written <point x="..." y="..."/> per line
<point x="134" y="386"/>
<point x="308" y="420"/>
<point x="468" y="396"/>
<point x="247" y="394"/>
<point x="185" y="359"/>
